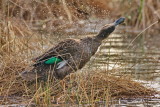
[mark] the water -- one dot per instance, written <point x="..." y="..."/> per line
<point x="142" y="65"/>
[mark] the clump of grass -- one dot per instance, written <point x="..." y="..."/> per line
<point x="17" y="44"/>
<point x="81" y="88"/>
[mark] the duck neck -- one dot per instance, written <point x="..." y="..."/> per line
<point x="97" y="39"/>
<point x="100" y="37"/>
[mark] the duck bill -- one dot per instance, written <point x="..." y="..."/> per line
<point x="119" y="21"/>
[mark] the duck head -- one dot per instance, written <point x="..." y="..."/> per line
<point x="108" y="29"/>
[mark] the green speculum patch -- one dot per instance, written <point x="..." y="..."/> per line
<point x="53" y="60"/>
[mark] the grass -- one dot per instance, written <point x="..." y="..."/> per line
<point x="19" y="41"/>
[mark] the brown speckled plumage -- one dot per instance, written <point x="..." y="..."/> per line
<point x="77" y="52"/>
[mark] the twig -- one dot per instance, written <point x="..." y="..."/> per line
<point x="141" y="33"/>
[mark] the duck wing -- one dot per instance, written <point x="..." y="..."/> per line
<point x="63" y="50"/>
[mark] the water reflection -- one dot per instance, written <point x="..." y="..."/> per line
<point x="144" y="65"/>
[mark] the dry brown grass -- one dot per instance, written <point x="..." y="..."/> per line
<point x="18" y="41"/>
<point x="76" y="88"/>
<point x="50" y="15"/>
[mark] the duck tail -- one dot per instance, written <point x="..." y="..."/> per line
<point x="36" y="72"/>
